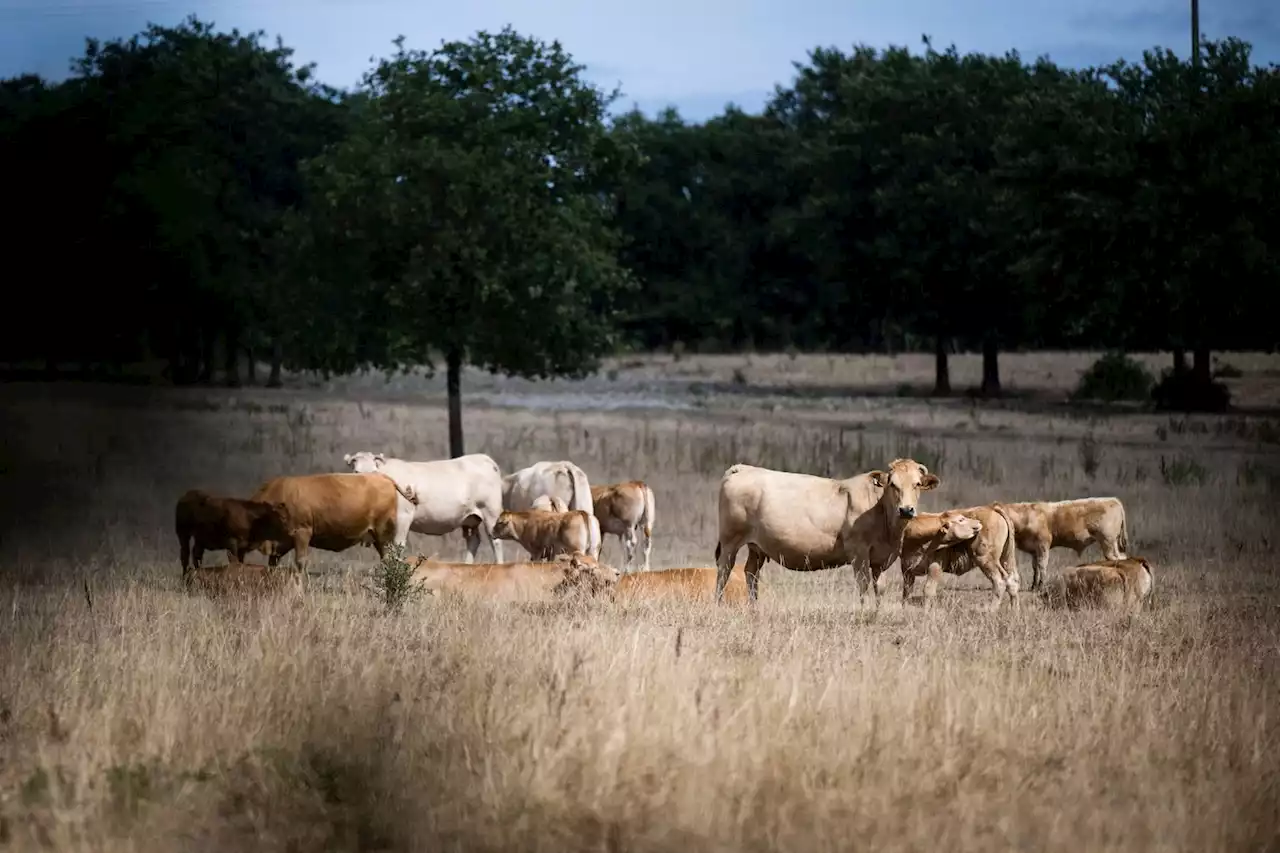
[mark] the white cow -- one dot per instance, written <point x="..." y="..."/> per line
<point x="464" y="492"/>
<point x="562" y="480"/>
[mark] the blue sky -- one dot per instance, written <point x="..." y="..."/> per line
<point x="695" y="54"/>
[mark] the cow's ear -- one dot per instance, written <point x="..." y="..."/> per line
<point x="379" y="458"/>
<point x="879" y="478"/>
<point x="929" y="481"/>
<point x="346" y="458"/>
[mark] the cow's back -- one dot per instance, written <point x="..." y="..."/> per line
<point x="682" y="583"/>
<point x="502" y="581"/>
<point x="334" y="506"/>
<point x="790" y="513"/>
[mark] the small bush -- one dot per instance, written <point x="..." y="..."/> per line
<point x="1181" y="471"/>
<point x="1114" y="377"/>
<point x="1227" y="370"/>
<point x="1184" y="392"/>
<point x="393" y="579"/>
<point x="1090" y="456"/>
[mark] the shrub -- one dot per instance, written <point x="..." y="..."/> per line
<point x="1184" y="392"/>
<point x="393" y="579"/>
<point x="1113" y="377"/>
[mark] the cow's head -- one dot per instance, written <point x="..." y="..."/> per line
<point x="902" y="484"/>
<point x="364" y="462"/>
<point x="583" y="573"/>
<point x="957" y="527"/>
<point x="502" y="527"/>
<point x="270" y="522"/>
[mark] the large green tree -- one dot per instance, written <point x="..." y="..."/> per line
<point x="469" y="215"/>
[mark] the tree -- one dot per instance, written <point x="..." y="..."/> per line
<point x="470" y="216"/>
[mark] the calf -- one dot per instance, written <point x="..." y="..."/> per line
<point x="956" y="540"/>
<point x="1123" y="584"/>
<point x="545" y="534"/>
<point x="1075" y="524"/>
<point x="626" y="510"/>
<point x="523" y="581"/>
<point x="695" y="584"/>
<point x="243" y="578"/>
<point x="207" y="522"/>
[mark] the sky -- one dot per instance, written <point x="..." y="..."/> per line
<point x="697" y="55"/>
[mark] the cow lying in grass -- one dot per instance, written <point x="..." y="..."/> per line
<point x="566" y="574"/>
<point x="243" y="578"/>
<point x="1123" y="584"/>
<point x="694" y="584"/>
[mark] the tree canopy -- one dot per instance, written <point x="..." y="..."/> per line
<point x="477" y="204"/>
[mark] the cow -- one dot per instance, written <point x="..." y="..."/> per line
<point x="1075" y="524"/>
<point x="809" y="523"/>
<point x="956" y="540"/>
<point x="335" y="512"/>
<point x="463" y="492"/>
<point x="208" y="522"/>
<point x="1122" y="584"/>
<point x="626" y="510"/>
<point x="544" y="534"/>
<point x="567" y="573"/>
<point x="693" y="584"/>
<point x="548" y="503"/>
<point x="237" y="577"/>
<point x="562" y="480"/>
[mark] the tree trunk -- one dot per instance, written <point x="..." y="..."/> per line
<point x="1179" y="360"/>
<point x="941" y="366"/>
<point x="204" y="370"/>
<point x="990" y="366"/>
<point x="250" y="366"/>
<point x="277" y="362"/>
<point x="453" y="383"/>
<point x="1201" y="365"/>
<point x="233" y="357"/>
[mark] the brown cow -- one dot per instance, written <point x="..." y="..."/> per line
<point x="1123" y="584"/>
<point x="546" y="534"/>
<point x="335" y="512"/>
<point x="694" y="584"/>
<point x="809" y="523"/>
<point x="1073" y="524"/>
<point x="208" y="522"/>
<point x="954" y="542"/>
<point x="244" y="578"/>
<point x="526" y="581"/>
<point x="626" y="510"/>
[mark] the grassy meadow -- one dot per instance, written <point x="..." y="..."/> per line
<point x="136" y="717"/>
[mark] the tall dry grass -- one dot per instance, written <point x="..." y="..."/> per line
<point x="136" y="717"/>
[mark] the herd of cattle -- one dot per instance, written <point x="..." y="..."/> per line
<point x="802" y="522"/>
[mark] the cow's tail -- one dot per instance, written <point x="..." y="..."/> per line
<point x="406" y="491"/>
<point x="1008" y="553"/>
<point x="1123" y="541"/>
<point x="581" y="492"/>
<point x="647" y="516"/>
<point x="717" y="553"/>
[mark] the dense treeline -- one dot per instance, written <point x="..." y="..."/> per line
<point x="193" y="196"/>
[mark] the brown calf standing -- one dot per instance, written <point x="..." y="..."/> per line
<point x="207" y="522"/>
<point x="545" y="534"/>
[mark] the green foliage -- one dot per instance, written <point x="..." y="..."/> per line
<point x="1115" y="376"/>
<point x="473" y="204"/>
<point x="393" y="579"/>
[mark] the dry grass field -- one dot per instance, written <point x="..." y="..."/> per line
<point x="136" y="717"/>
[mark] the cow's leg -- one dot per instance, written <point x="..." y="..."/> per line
<point x="1039" y="563"/>
<point x="629" y="543"/>
<point x="724" y="565"/>
<point x="932" y="581"/>
<point x="755" y="562"/>
<point x="648" y="548"/>
<point x="995" y="573"/>
<point x="862" y="577"/>
<point x="1110" y="548"/>
<point x="908" y="584"/>
<point x="302" y="548"/>
<point x="184" y="549"/>
<point x="197" y="554"/>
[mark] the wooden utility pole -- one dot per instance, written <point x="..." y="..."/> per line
<point x="1195" y="33"/>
